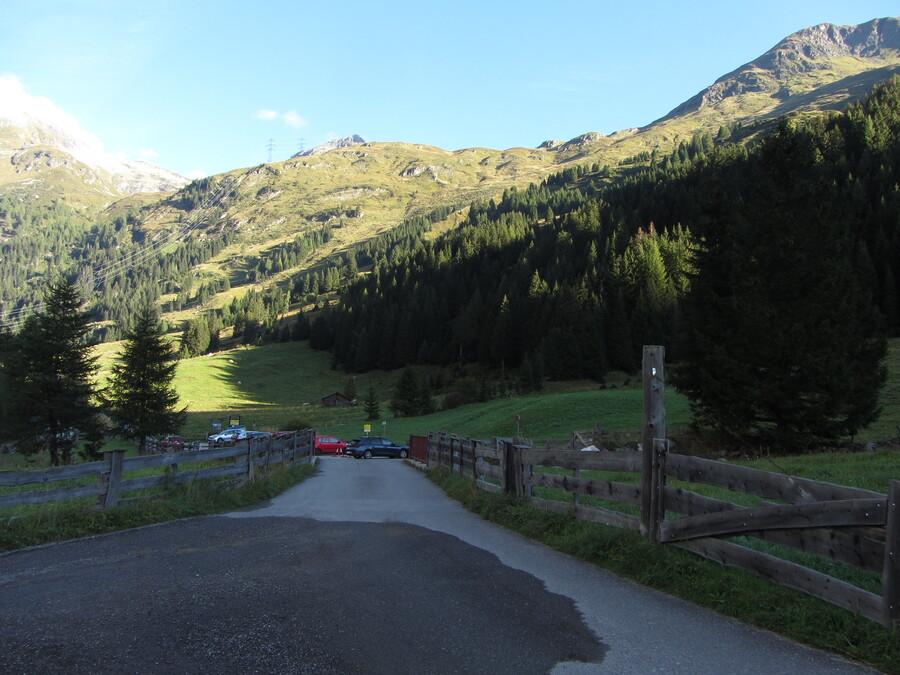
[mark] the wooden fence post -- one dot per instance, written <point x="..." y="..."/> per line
<point x="658" y="494"/>
<point x="530" y="472"/>
<point x="576" y="496"/>
<point x="654" y="384"/>
<point x="511" y="467"/>
<point x="111" y="479"/>
<point x="890" y="582"/>
<point x="597" y="437"/>
<point x="513" y="479"/>
<point x="249" y="461"/>
<point x="448" y="452"/>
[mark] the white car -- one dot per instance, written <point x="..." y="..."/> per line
<point x="229" y="436"/>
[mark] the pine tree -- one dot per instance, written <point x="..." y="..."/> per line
<point x="140" y="398"/>
<point x="406" y="397"/>
<point x="371" y="406"/>
<point x="782" y="344"/>
<point x="195" y="338"/>
<point x="6" y="347"/>
<point x="51" y="362"/>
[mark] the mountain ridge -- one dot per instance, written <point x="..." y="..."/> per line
<point x="345" y="142"/>
<point x="41" y="143"/>
<point x="41" y="148"/>
<point x="810" y="49"/>
<point x="363" y="190"/>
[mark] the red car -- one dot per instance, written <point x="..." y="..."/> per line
<point x="329" y="445"/>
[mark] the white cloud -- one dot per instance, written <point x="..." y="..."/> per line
<point x="25" y="110"/>
<point x="293" y="120"/>
<point x="195" y="174"/>
<point x="148" y="153"/>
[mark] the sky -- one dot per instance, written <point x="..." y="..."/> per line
<point x="205" y="86"/>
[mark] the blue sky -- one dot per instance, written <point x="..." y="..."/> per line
<point x="201" y="87"/>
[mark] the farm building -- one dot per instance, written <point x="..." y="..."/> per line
<point x="337" y="400"/>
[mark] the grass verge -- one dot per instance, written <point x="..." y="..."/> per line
<point x="79" y="518"/>
<point x="726" y="590"/>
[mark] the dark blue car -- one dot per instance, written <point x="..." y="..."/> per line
<point x="375" y="446"/>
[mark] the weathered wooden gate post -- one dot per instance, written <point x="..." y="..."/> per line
<point x="110" y="479"/>
<point x="654" y="383"/>
<point x="249" y="475"/>
<point x="512" y="468"/>
<point x="890" y="581"/>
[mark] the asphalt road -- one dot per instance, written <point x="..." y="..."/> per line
<point x="364" y="568"/>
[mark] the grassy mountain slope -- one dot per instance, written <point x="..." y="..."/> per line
<point x="277" y="385"/>
<point x="370" y="188"/>
<point x="366" y="190"/>
<point x="42" y="170"/>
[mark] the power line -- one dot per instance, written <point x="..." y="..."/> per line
<point x="16" y="317"/>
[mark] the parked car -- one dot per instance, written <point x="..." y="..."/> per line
<point x="259" y="434"/>
<point x="229" y="436"/>
<point x="329" y="445"/>
<point x="174" y="442"/>
<point x="375" y="446"/>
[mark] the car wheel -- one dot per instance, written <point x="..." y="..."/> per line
<point x="368" y="454"/>
<point x="403" y="454"/>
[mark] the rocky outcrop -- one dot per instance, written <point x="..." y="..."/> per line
<point x="38" y="145"/>
<point x="337" y="143"/>
<point x="589" y="137"/>
<point x="805" y="51"/>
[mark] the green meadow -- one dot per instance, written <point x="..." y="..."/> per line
<point x="280" y="386"/>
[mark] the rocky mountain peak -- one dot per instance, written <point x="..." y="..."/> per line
<point x="802" y="51"/>
<point x="344" y="142"/>
<point x="805" y="51"/>
<point x="36" y="136"/>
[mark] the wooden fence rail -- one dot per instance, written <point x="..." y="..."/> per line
<point x="846" y="525"/>
<point x="109" y="479"/>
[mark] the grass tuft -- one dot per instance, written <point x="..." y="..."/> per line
<point x="60" y="521"/>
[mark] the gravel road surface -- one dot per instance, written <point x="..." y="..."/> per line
<point x="364" y="568"/>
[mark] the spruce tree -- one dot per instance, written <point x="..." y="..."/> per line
<point x="140" y="398"/>
<point x="195" y="337"/>
<point x="6" y="347"/>
<point x="371" y="406"/>
<point x="406" y="397"/>
<point x="51" y="363"/>
<point x="782" y="344"/>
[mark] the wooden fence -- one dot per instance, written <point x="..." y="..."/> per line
<point x="110" y="479"/>
<point x="845" y="525"/>
<point x="839" y="524"/>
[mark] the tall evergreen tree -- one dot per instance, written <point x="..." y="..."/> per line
<point x="51" y="362"/>
<point x="371" y="406"/>
<point x="140" y="398"/>
<point x="782" y="344"/>
<point x="6" y="346"/>
<point x="195" y="338"/>
<point x="405" y="401"/>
